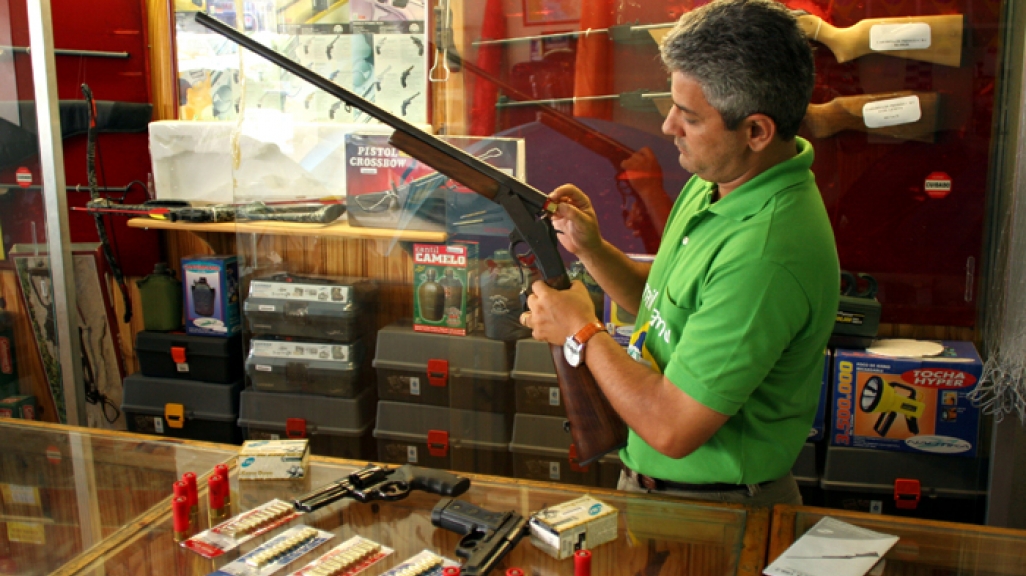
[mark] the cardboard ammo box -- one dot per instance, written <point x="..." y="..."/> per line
<point x="18" y="406"/>
<point x="338" y="427"/>
<point x="906" y="484"/>
<point x="211" y="295"/>
<point x="446" y="438"/>
<point x="273" y="459"/>
<point x="446" y="294"/>
<point x="330" y="369"/>
<point x="334" y="309"/>
<point x="918" y="405"/>
<point x="180" y="355"/>
<point x="542" y="450"/>
<point x="580" y="524"/>
<point x="182" y="408"/>
<point x="534" y="380"/>
<point x="465" y="372"/>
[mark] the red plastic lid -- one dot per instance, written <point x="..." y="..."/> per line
<point x="451" y="571"/>
<point x="514" y="572"/>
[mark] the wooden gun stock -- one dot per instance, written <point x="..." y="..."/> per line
<point x="944" y="45"/>
<point x="846" y="113"/>
<point x="594" y="426"/>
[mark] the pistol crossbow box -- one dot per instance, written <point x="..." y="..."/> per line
<point x="326" y="368"/>
<point x="332" y="309"/>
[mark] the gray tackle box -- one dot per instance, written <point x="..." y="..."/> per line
<point x="182" y="408"/>
<point x="534" y="380"/>
<point x="446" y="438"/>
<point x="541" y="449"/>
<point x="310" y="307"/>
<point x="326" y="368"/>
<point x="338" y="427"/>
<point x="465" y="372"/>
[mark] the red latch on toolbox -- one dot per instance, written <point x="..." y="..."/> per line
<point x="295" y="428"/>
<point x="178" y="354"/>
<point x="438" y="372"/>
<point x="438" y="443"/>
<point x="574" y="466"/>
<point x="906" y="493"/>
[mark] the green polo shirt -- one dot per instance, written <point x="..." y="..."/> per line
<point x="736" y="312"/>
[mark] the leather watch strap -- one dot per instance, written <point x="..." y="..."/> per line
<point x="589" y="330"/>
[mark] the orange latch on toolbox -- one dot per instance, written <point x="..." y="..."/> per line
<point x="438" y="372"/>
<point x="574" y="466"/>
<point x="438" y="443"/>
<point x="175" y="415"/>
<point x="178" y="354"/>
<point x="906" y="493"/>
<point x="295" y="428"/>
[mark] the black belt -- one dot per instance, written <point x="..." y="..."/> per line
<point x="651" y="483"/>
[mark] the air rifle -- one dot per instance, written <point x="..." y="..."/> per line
<point x="594" y="425"/>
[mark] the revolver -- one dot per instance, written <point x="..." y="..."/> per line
<point x="374" y="482"/>
<point x="487" y="536"/>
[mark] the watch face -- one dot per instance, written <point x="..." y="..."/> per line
<point x="572" y="352"/>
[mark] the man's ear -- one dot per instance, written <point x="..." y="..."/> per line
<point x="762" y="130"/>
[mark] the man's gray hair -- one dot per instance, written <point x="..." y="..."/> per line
<point x="749" y="56"/>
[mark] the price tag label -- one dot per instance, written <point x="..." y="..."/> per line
<point x="892" y="112"/>
<point x="908" y="36"/>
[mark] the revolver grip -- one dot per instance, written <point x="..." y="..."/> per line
<point x="434" y="481"/>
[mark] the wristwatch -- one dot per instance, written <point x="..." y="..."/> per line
<point x="573" y="348"/>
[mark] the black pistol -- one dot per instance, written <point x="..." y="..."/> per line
<point x="374" y="482"/>
<point x="487" y="536"/>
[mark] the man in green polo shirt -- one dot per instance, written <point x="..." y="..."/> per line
<point x="722" y="377"/>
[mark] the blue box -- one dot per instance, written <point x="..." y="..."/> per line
<point x="818" y="431"/>
<point x="907" y="404"/>
<point x="619" y="322"/>
<point x="211" y="285"/>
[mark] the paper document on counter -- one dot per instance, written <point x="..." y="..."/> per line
<point x="833" y="547"/>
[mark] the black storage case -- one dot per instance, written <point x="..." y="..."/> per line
<point x="952" y="488"/>
<point x="541" y="451"/>
<point x="534" y="380"/>
<point x="338" y="310"/>
<point x="465" y="372"/>
<point x="189" y="357"/>
<point x="329" y="369"/>
<point x="182" y="408"/>
<point x="338" y="427"/>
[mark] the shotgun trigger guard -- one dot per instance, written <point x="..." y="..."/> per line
<point x="537" y="233"/>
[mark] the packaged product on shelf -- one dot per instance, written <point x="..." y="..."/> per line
<point x="211" y="295"/>
<point x="331" y="369"/>
<point x="908" y="396"/>
<point x="502" y="282"/>
<point x="314" y="307"/>
<point x="182" y="408"/>
<point x="23" y="407"/>
<point x="273" y="459"/>
<point x="445" y="288"/>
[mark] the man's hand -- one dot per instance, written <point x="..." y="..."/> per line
<point x="557" y="314"/>
<point x="575" y="218"/>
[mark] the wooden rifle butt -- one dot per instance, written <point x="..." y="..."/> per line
<point x="945" y="38"/>
<point x="845" y="113"/>
<point x="596" y="429"/>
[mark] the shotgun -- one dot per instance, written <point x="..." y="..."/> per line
<point x="936" y="39"/>
<point x="852" y="113"/>
<point x="595" y="427"/>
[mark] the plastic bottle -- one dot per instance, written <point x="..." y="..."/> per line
<point x="161" y="296"/>
<point x="431" y="299"/>
<point x="500" y="299"/>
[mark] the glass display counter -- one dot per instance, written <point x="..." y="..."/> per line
<point x="925" y="548"/>
<point x="65" y="490"/>
<point x="121" y="483"/>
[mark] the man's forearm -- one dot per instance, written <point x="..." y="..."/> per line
<point x="620" y="277"/>
<point x="653" y="407"/>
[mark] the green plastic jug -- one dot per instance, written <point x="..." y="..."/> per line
<point x="161" y="295"/>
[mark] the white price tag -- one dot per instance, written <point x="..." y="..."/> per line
<point x="182" y="366"/>
<point x="158" y="425"/>
<point x="553" y="470"/>
<point x="411" y="454"/>
<point x="909" y="36"/>
<point x="414" y="386"/>
<point x="554" y="396"/>
<point x="892" y="112"/>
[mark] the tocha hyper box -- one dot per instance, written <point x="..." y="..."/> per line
<point x="907" y="404"/>
<point x="211" y="298"/>
<point x="445" y="288"/>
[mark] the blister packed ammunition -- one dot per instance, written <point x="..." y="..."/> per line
<point x="420" y="567"/>
<point x="251" y="523"/>
<point x="273" y="552"/>
<point x="347" y="560"/>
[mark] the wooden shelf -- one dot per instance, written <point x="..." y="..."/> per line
<point x="334" y="230"/>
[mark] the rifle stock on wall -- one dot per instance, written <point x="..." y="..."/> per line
<point x="594" y="425"/>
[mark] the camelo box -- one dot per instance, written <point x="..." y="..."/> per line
<point x="445" y="288"/>
<point x="907" y="404"/>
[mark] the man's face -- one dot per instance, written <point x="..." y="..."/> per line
<point x="706" y="147"/>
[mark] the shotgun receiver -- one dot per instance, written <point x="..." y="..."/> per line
<point x="595" y="427"/>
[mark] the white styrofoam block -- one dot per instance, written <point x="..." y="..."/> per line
<point x="277" y="159"/>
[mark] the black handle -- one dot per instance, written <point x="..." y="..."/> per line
<point x="434" y="481"/>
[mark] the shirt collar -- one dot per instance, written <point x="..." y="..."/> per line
<point x="746" y="200"/>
